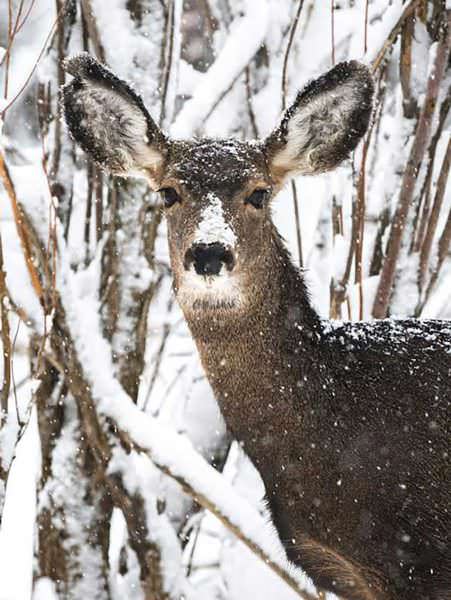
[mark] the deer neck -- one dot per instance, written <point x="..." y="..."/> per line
<point x="257" y="361"/>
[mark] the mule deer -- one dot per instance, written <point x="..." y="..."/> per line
<point x="346" y="423"/>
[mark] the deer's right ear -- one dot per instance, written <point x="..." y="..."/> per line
<point x="108" y="119"/>
<point x="324" y="124"/>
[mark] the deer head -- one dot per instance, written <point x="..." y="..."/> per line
<point x="217" y="193"/>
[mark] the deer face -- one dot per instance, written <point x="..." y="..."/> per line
<point x="217" y="193"/>
<point x="216" y="197"/>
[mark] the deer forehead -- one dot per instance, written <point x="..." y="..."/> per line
<point x="221" y="167"/>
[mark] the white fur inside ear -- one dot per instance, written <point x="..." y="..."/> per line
<point x="118" y="126"/>
<point x="317" y="123"/>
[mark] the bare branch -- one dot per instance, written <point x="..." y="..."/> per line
<point x="93" y="30"/>
<point x="332" y="31"/>
<point x="169" y="54"/>
<point x="284" y="105"/>
<point x="22" y="230"/>
<point x="287" y="53"/>
<point x="434" y="216"/>
<point x="417" y="152"/>
<point x="409" y="9"/>
<point x="38" y="60"/>
<point x="405" y="66"/>
<point x="6" y="341"/>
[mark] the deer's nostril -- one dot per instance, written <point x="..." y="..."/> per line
<point x="208" y="259"/>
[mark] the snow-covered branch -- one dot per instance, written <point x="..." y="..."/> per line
<point x="169" y="451"/>
<point x="245" y="38"/>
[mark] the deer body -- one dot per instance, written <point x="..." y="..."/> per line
<point x="346" y="424"/>
<point x="332" y="418"/>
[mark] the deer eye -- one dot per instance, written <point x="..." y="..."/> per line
<point x="170" y="197"/>
<point x="257" y="198"/>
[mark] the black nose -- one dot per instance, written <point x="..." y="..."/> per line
<point x="208" y="258"/>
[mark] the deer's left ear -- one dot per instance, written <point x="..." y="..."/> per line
<point x="324" y="124"/>
<point x="108" y="119"/>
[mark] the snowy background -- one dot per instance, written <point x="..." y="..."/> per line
<point x="103" y="394"/>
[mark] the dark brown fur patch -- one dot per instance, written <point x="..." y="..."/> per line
<point x="349" y="428"/>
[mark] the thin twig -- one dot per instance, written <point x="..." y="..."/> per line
<point x="37" y="61"/>
<point x="287" y="54"/>
<point x="434" y="217"/>
<point x="168" y="60"/>
<point x="158" y="360"/>
<point x="284" y="105"/>
<point x="250" y="108"/>
<point x="8" y="52"/>
<point x="12" y="34"/>
<point x="19" y="218"/>
<point x="88" y="211"/>
<point x="13" y="349"/>
<point x="26" y="15"/>
<point x="61" y="79"/>
<point x="420" y="221"/>
<point x="332" y="31"/>
<point x="365" y="26"/>
<point x="297" y="221"/>
<point x="189" y="567"/>
<point x="6" y="341"/>
<point x="444" y="245"/>
<point x="339" y="290"/>
<point x="98" y="185"/>
<point x="21" y="313"/>
<point x="405" y="67"/>
<point x="360" y="217"/>
<point x="393" y="34"/>
<point x="93" y="30"/>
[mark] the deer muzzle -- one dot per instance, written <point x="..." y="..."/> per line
<point x="209" y="259"/>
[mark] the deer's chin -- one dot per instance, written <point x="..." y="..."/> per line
<point x="220" y="292"/>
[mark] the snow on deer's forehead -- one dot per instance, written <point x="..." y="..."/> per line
<point x="212" y="227"/>
<point x="216" y="165"/>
